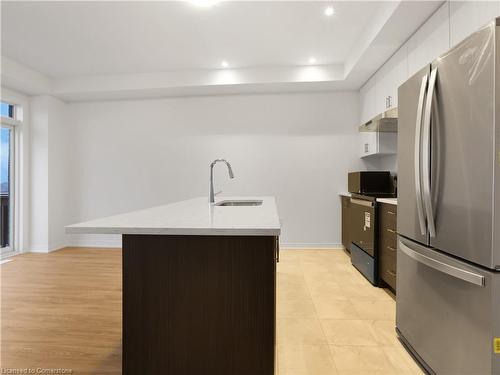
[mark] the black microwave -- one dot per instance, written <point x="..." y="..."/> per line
<point x="370" y="182"/>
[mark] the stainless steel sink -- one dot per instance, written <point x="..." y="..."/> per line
<point x="239" y="203"/>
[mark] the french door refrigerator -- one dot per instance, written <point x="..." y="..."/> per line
<point x="448" y="260"/>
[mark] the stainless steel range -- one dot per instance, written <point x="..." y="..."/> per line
<point x="365" y="188"/>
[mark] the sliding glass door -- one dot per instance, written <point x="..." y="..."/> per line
<point x="7" y="189"/>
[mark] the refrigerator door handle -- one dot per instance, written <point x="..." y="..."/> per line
<point x="418" y="156"/>
<point x="443" y="267"/>
<point x="426" y="155"/>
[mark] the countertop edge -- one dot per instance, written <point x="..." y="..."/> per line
<point x="393" y="201"/>
<point x="192" y="217"/>
<point x="177" y="231"/>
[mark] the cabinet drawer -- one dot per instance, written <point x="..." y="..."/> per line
<point x="389" y="276"/>
<point x="387" y="248"/>
<point x="389" y="209"/>
<point x="387" y="266"/>
<point x="387" y="244"/>
<point x="387" y="238"/>
<point x="388" y="258"/>
<point x="388" y="216"/>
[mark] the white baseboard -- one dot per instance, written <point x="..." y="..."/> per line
<point x="37" y="248"/>
<point x="311" y="246"/>
<point x="95" y="240"/>
<point x="115" y="240"/>
<point x="59" y="246"/>
<point x="45" y="248"/>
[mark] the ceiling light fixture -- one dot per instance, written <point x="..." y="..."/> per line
<point x="329" y="11"/>
<point x="312" y="60"/>
<point x="204" y="3"/>
<point x="224" y="64"/>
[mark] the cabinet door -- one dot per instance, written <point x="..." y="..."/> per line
<point x="392" y="74"/>
<point x="368" y="97"/>
<point x="346" y="236"/>
<point x="430" y="41"/>
<point x="368" y="144"/>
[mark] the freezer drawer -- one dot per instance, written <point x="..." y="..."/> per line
<point x="448" y="311"/>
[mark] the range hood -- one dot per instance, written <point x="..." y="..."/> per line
<point x="386" y="122"/>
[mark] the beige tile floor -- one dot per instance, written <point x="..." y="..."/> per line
<point x="330" y="320"/>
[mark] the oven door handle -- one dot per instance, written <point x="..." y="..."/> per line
<point x="361" y="202"/>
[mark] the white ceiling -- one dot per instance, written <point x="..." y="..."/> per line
<point x="139" y="49"/>
<point x="62" y="39"/>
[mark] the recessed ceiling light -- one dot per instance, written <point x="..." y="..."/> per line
<point x="204" y="3"/>
<point x="224" y="64"/>
<point x="329" y="11"/>
<point x="312" y="60"/>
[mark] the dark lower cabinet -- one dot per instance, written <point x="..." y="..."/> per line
<point x="346" y="218"/>
<point x="387" y="244"/>
<point x="199" y="305"/>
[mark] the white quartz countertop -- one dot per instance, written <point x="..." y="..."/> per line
<point x="191" y="217"/>
<point x="388" y="200"/>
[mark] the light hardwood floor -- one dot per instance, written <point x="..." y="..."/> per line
<point x="63" y="310"/>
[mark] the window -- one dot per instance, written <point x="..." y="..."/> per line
<point x="7" y="110"/>
<point x="7" y="145"/>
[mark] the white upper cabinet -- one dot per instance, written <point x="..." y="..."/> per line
<point x="381" y="91"/>
<point x="450" y="24"/>
<point x="430" y="41"/>
<point x="377" y="143"/>
<point x="368" y="97"/>
<point x="468" y="16"/>
<point x="392" y="74"/>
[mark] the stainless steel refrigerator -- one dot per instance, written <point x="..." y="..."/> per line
<point x="448" y="260"/>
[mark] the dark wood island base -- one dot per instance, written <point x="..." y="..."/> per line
<point x="199" y="305"/>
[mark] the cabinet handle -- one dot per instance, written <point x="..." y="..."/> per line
<point x="277" y="250"/>
<point x="391" y="213"/>
<point x="391" y="248"/>
<point x="393" y="274"/>
<point x="391" y="231"/>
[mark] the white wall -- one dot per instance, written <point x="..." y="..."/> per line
<point x="128" y="155"/>
<point x="49" y="173"/>
<point x="39" y="177"/>
<point x="59" y="195"/>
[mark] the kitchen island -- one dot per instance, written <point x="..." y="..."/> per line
<point x="199" y="286"/>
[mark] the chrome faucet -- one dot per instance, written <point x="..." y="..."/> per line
<point x="211" y="195"/>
